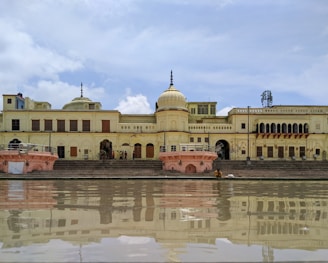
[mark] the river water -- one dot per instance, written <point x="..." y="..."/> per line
<point x="163" y="221"/>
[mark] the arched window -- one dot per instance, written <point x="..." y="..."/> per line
<point x="278" y="128"/>
<point x="289" y="128"/>
<point x="262" y="128"/>
<point x="300" y="128"/>
<point x="306" y="128"/>
<point x="295" y="128"/>
<point x="273" y="128"/>
<point x="267" y="128"/>
<point x="284" y="128"/>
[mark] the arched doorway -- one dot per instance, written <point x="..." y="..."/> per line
<point x="190" y="169"/>
<point x="222" y="149"/>
<point x="137" y="151"/>
<point x="105" y="150"/>
<point x="150" y="150"/>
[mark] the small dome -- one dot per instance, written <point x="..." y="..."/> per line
<point x="77" y="104"/>
<point x="82" y="103"/>
<point x="171" y="99"/>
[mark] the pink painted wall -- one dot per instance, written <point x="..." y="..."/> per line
<point x="188" y="161"/>
<point x="33" y="161"/>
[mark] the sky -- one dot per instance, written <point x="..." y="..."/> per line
<point x="227" y="51"/>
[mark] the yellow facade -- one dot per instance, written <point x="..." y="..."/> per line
<point x="81" y="129"/>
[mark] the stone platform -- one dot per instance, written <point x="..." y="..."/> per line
<point x="152" y="169"/>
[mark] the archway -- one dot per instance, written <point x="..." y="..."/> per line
<point x="13" y="144"/>
<point x="150" y="150"/>
<point x="222" y="149"/>
<point x="105" y="149"/>
<point x="137" y="151"/>
<point x="190" y="169"/>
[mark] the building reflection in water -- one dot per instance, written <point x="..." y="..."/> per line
<point x="272" y="214"/>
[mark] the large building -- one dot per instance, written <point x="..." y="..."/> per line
<point x="83" y="130"/>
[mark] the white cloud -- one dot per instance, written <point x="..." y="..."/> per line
<point x="59" y="93"/>
<point x="137" y="104"/>
<point x="224" y="111"/>
<point x="22" y="59"/>
<point x="312" y="82"/>
<point x="214" y="48"/>
<point x="134" y="240"/>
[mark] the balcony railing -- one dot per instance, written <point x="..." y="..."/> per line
<point x="184" y="147"/>
<point x="27" y="147"/>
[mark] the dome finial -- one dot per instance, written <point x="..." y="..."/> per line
<point x="81" y="89"/>
<point x="171" y="84"/>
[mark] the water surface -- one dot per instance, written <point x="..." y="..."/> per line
<point x="163" y="221"/>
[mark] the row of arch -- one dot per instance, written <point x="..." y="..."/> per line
<point x="106" y="149"/>
<point x="282" y="128"/>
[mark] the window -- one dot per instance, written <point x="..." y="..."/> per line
<point x="278" y="128"/>
<point x="61" y="222"/>
<point x="291" y="151"/>
<point x="74" y="221"/>
<point x="243" y="125"/>
<point x="302" y="151"/>
<point x="270" y="151"/>
<point x="60" y="125"/>
<point x="35" y="125"/>
<point x="173" y="148"/>
<point x="73" y="125"/>
<point x="191" y="139"/>
<point x="105" y="125"/>
<point x="259" y="151"/>
<point x="202" y="109"/>
<point x="280" y="152"/>
<point x="206" y="139"/>
<point x="48" y="125"/>
<point x="73" y="151"/>
<point x="199" y="139"/>
<point x="213" y="110"/>
<point x="162" y="148"/>
<point x="284" y="128"/>
<point x="193" y="111"/>
<point x="273" y="128"/>
<point x="317" y="151"/>
<point x="91" y="106"/>
<point x="261" y="127"/>
<point x="9" y="101"/>
<point x="86" y="125"/>
<point x="15" y="125"/>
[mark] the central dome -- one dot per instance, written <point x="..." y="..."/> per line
<point x="171" y="99"/>
<point x="82" y="103"/>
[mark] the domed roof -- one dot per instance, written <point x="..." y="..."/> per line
<point x="171" y="99"/>
<point x="81" y="103"/>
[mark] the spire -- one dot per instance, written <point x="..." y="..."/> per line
<point x="171" y="84"/>
<point x="81" y="89"/>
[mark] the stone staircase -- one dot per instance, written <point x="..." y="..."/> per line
<point x="256" y="169"/>
<point x="107" y="167"/>
<point x="281" y="168"/>
<point x="271" y="165"/>
<point x="107" y="164"/>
